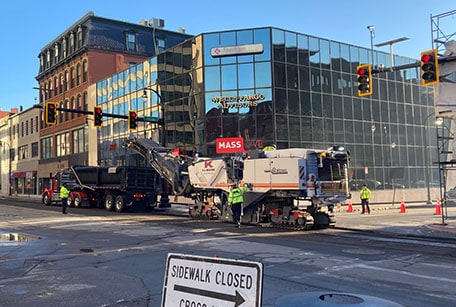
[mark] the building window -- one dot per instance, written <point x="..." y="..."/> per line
<point x="79" y="140"/>
<point x="78" y="74"/>
<point x="56" y="86"/>
<point x="85" y="100"/>
<point x="27" y="127"/>
<point x="56" y="52"/>
<point x="46" y="148"/>
<point x="161" y="45"/>
<point x="84" y="71"/>
<point x="23" y="152"/>
<point x="131" y="41"/>
<point x="79" y="104"/>
<point x="79" y="35"/>
<point x="36" y="123"/>
<point x="31" y="126"/>
<point x="64" y="48"/>
<point x="71" y="42"/>
<point x="72" y="77"/>
<point x="72" y="106"/>
<point x="63" y="146"/>
<point x="35" y="149"/>
<point x="22" y="129"/>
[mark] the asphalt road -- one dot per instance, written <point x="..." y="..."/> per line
<point x="91" y="257"/>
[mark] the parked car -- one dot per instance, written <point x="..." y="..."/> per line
<point x="390" y="186"/>
<point x="356" y="184"/>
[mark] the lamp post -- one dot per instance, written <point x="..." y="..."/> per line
<point x="372" y="35"/>
<point x="164" y="199"/>
<point x="161" y="117"/>
<point x="9" y="165"/>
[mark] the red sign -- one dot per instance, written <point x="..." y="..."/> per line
<point x="229" y="145"/>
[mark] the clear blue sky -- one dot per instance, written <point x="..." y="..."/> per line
<point x="27" y="26"/>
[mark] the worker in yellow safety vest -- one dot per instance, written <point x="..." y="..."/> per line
<point x="365" y="195"/>
<point x="64" y="193"/>
<point x="236" y="201"/>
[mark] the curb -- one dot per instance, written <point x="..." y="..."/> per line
<point x="443" y="228"/>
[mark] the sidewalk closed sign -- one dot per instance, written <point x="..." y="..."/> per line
<point x="208" y="282"/>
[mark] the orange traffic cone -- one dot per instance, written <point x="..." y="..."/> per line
<point x="403" y="210"/>
<point x="350" y="206"/>
<point x="437" y="208"/>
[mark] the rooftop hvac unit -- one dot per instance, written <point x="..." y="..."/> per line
<point x="157" y="23"/>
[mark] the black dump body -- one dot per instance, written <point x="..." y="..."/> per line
<point x="124" y="178"/>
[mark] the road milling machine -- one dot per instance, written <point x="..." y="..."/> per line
<point x="290" y="188"/>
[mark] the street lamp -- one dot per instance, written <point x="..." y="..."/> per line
<point x="164" y="199"/>
<point x="390" y="43"/>
<point x="372" y="35"/>
<point x="9" y="165"/>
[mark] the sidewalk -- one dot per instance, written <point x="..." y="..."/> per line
<point x="407" y="218"/>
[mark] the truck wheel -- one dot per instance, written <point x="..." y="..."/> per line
<point x="46" y="200"/>
<point x="77" y="201"/>
<point x="120" y="203"/>
<point x="109" y="203"/>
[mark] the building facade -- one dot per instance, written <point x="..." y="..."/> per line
<point x="91" y="49"/>
<point x="273" y="86"/>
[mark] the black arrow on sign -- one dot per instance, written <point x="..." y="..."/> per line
<point x="237" y="299"/>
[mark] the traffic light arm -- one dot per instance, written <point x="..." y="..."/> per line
<point x="139" y="119"/>
<point x="412" y="65"/>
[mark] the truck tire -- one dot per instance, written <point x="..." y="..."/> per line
<point x="46" y="199"/>
<point x="109" y="202"/>
<point x="77" y="201"/>
<point x="119" y="203"/>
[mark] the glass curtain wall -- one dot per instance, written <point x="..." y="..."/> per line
<point x="300" y="91"/>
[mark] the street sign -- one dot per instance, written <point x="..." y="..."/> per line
<point x="206" y="282"/>
<point x="151" y="119"/>
<point x="229" y="145"/>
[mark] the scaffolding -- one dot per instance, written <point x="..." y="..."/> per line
<point x="440" y="35"/>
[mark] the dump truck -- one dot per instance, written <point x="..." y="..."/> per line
<point x="116" y="188"/>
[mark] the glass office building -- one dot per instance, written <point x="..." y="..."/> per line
<point x="276" y="87"/>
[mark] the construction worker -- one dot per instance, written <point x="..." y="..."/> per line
<point x="365" y="195"/>
<point x="64" y="193"/>
<point x="235" y="201"/>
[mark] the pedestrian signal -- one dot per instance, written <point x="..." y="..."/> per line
<point x="364" y="72"/>
<point x="429" y="67"/>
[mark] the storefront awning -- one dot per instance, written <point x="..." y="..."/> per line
<point x="23" y="174"/>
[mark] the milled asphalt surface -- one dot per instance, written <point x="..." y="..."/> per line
<point x="415" y="218"/>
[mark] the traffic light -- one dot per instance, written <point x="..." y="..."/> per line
<point x="429" y="67"/>
<point x="97" y="116"/>
<point x="132" y="120"/>
<point x="364" y="72"/>
<point x="50" y="111"/>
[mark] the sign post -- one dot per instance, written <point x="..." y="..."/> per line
<point x="206" y="282"/>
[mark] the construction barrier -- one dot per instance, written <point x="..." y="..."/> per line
<point x="403" y="209"/>
<point x="350" y="206"/>
<point x="438" y="209"/>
